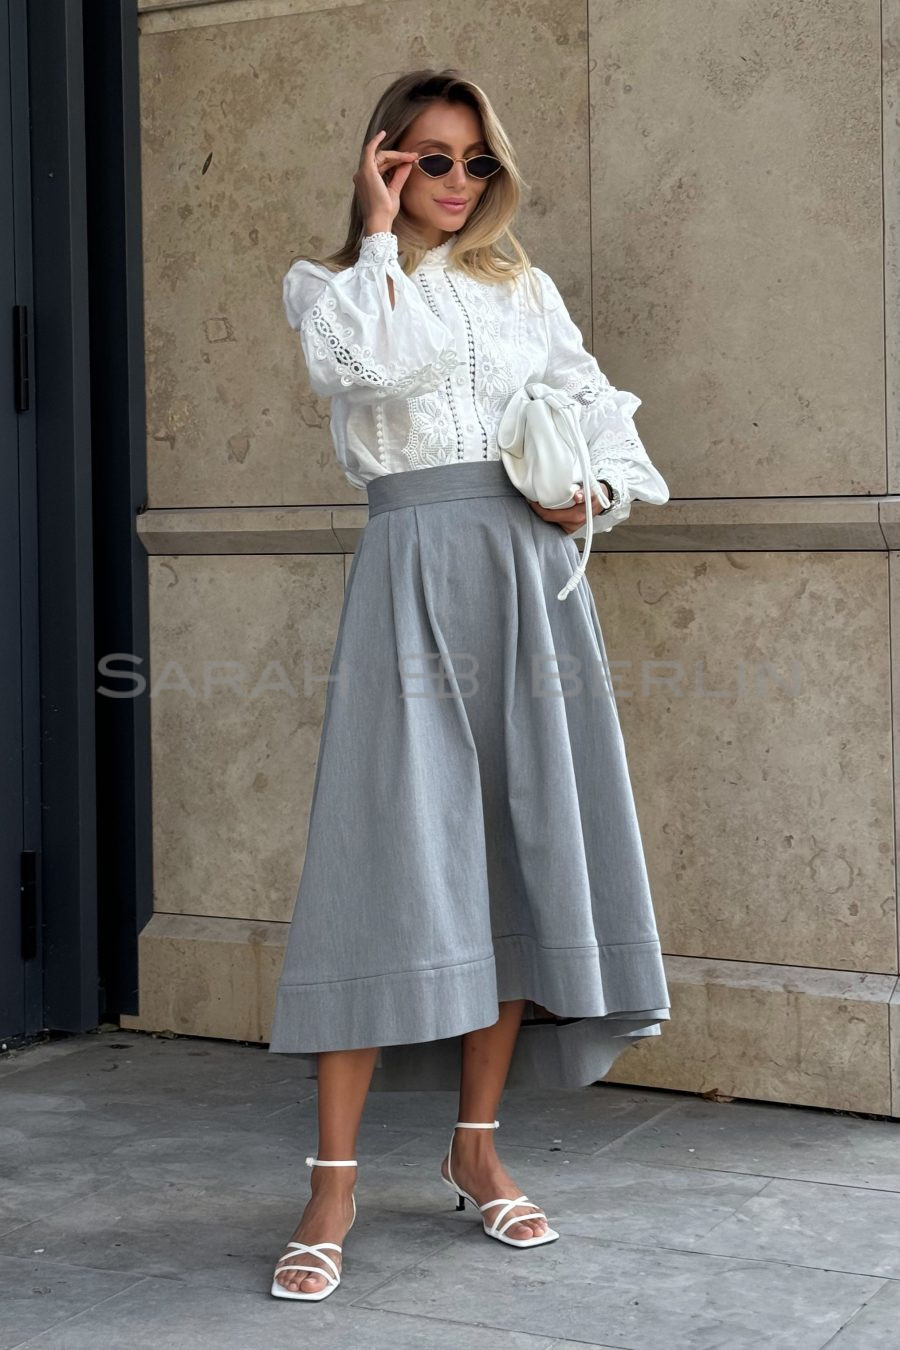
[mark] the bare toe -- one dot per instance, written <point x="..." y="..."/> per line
<point x="326" y="1212"/>
<point x="300" y="1282"/>
<point x="527" y="1226"/>
<point x="310" y="1284"/>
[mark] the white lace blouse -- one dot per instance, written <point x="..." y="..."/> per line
<point x="426" y="382"/>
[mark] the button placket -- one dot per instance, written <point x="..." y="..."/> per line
<point x="428" y="283"/>
<point x="472" y="407"/>
<point x="462" y="383"/>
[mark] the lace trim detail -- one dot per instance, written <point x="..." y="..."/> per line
<point x="473" y="370"/>
<point x="432" y="438"/>
<point x="617" y="477"/>
<point x="497" y="376"/>
<point x="615" y="450"/>
<point x="378" y="248"/>
<point x="617" y="455"/>
<point x="441" y="448"/>
<point x="355" y="363"/>
<point x="591" y="391"/>
<point x="616" y="446"/>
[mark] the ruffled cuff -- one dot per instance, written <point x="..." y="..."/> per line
<point x="379" y="248"/>
<point x="616" y="476"/>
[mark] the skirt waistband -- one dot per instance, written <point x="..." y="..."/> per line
<point x="439" y="483"/>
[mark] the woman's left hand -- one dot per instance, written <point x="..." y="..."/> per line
<point x="571" y="518"/>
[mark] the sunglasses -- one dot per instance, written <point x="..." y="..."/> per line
<point x="479" y="166"/>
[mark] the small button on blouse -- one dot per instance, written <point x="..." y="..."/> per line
<point x="425" y="382"/>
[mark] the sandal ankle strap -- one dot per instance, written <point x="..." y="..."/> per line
<point x="467" y="1125"/>
<point x="330" y="1162"/>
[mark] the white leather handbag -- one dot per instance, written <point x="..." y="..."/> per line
<point x="544" y="452"/>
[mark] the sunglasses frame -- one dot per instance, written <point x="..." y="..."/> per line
<point x="465" y="162"/>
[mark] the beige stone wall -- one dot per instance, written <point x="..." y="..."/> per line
<point x="706" y="186"/>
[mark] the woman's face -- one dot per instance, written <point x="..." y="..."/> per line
<point x="455" y="129"/>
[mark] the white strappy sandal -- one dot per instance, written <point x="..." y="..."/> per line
<point x="498" y="1227"/>
<point x="294" y="1249"/>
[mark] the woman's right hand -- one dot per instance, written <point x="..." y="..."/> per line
<point x="569" y="518"/>
<point x="380" y="201"/>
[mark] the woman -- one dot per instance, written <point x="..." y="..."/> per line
<point x="473" y="909"/>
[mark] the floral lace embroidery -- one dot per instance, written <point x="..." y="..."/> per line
<point x="354" y="362"/>
<point x="618" y="455"/>
<point x="503" y="350"/>
<point x="475" y="374"/>
<point x="497" y="379"/>
<point x="616" y="450"/>
<point x="500" y="372"/>
<point x="378" y="248"/>
<point x="432" y="436"/>
<point x="591" y="390"/>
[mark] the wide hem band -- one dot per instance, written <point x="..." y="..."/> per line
<point x="607" y="998"/>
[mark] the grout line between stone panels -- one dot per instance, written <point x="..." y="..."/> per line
<point x="771" y="1262"/>
<point x="774" y="965"/>
<point x="848" y="1325"/>
<point x="669" y="1165"/>
<point x="635" y="1129"/>
<point x="404" y="1270"/>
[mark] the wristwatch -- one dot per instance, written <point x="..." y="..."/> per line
<point x="610" y="494"/>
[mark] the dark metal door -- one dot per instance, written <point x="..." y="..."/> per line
<point x="21" y="993"/>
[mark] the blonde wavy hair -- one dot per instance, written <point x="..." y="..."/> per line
<point x="486" y="247"/>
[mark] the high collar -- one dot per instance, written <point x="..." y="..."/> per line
<point x="437" y="256"/>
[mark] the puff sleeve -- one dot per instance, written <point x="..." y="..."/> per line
<point x="355" y="343"/>
<point x="615" y="448"/>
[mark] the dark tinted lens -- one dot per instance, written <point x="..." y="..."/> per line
<point x="482" y="166"/>
<point x="435" y="165"/>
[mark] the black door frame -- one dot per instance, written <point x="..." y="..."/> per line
<point x="77" y="97"/>
<point x="124" y="835"/>
<point x="21" y="984"/>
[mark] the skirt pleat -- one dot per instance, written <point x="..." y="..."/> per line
<point x="472" y="835"/>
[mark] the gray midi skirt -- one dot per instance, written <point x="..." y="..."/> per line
<point x="472" y="835"/>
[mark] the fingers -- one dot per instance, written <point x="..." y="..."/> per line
<point x="398" y="175"/>
<point x="570" y="518"/>
<point x="596" y="505"/>
<point x="381" y="176"/>
<point x="385" y="159"/>
<point x="390" y="159"/>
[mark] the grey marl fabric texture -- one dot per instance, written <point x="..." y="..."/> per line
<point x="472" y="835"/>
